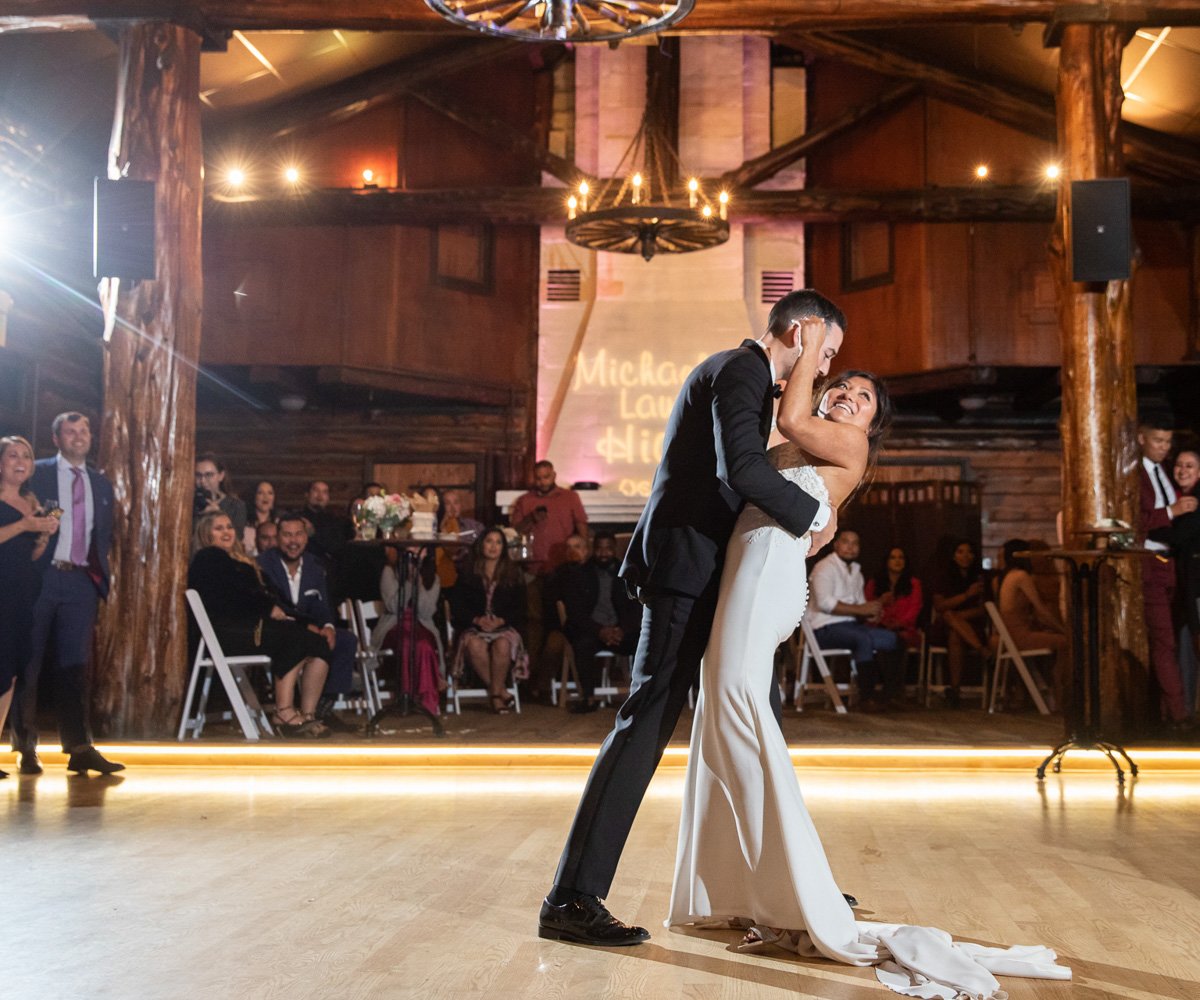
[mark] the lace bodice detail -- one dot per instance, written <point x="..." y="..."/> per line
<point x="793" y="466"/>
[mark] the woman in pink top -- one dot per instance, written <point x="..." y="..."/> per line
<point x="899" y="592"/>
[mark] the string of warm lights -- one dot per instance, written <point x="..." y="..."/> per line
<point x="1050" y="171"/>
<point x="237" y="178"/>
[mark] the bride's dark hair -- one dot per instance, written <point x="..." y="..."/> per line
<point x="880" y="423"/>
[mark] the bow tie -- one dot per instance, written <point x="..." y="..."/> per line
<point x="776" y="391"/>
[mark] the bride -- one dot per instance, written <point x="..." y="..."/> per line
<point x="748" y="851"/>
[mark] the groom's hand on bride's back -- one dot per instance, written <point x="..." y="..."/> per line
<point x="823" y="537"/>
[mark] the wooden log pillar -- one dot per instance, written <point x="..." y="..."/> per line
<point x="1099" y="414"/>
<point x="1193" y="334"/>
<point x="147" y="437"/>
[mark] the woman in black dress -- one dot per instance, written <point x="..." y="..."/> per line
<point x="488" y="610"/>
<point x="247" y="620"/>
<point x="958" y="599"/>
<point x="24" y="532"/>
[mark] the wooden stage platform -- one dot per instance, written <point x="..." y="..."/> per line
<point x="340" y="881"/>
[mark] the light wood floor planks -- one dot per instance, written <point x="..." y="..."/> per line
<point x="359" y="884"/>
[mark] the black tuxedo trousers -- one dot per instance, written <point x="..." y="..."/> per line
<point x="675" y="631"/>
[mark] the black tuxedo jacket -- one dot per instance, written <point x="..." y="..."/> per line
<point x="714" y="461"/>
<point x="44" y="483"/>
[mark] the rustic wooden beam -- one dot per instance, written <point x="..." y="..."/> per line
<point x="1151" y="153"/>
<point x="766" y="166"/>
<point x="547" y="206"/>
<point x="1192" y="353"/>
<point x="147" y="445"/>
<point x="1099" y="413"/>
<point x="711" y="16"/>
<point x="417" y="384"/>
<point x="344" y="99"/>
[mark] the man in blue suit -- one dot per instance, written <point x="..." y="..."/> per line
<point x="75" y="578"/>
<point x="299" y="581"/>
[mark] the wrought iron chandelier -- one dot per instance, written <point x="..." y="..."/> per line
<point x="564" y="20"/>
<point x="649" y="212"/>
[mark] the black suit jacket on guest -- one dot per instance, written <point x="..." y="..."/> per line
<point x="313" y="608"/>
<point x="578" y="587"/>
<point x="44" y="483"/>
<point x="714" y="461"/>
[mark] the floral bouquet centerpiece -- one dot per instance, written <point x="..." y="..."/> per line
<point x="384" y="514"/>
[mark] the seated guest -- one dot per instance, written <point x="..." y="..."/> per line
<point x="451" y="564"/>
<point x="548" y="663"/>
<point x="248" y="620"/>
<point x="300" y="587"/>
<point x="1030" y="622"/>
<point x="843" y="618"/>
<point x="958" y="601"/>
<point x="600" y="613"/>
<point x="899" y="594"/>
<point x="393" y="631"/>
<point x="262" y="513"/>
<point x="266" y="536"/>
<point x="329" y="534"/>
<point x="488" y="610"/>
<point x="213" y="493"/>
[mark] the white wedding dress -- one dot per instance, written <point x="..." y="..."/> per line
<point x="748" y="850"/>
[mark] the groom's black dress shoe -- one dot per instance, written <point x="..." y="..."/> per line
<point x="89" y="759"/>
<point x="586" y="920"/>
<point x="851" y="901"/>
<point x="30" y="763"/>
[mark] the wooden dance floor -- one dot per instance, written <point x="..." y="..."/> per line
<point x="400" y="881"/>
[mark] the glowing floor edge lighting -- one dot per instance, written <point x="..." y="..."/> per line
<point x="945" y="757"/>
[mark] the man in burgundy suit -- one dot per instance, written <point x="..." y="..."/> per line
<point x="1158" y="505"/>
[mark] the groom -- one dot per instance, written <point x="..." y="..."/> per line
<point x="714" y="461"/>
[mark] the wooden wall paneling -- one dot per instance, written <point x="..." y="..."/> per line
<point x="958" y="140"/>
<point x="342" y="446"/>
<point x="336" y="155"/>
<point x="274" y="295"/>
<point x="945" y="284"/>
<point x="1012" y="294"/>
<point x="1160" y="293"/>
<point x="369" y="297"/>
<point x="440" y="153"/>
<point x="1019" y="482"/>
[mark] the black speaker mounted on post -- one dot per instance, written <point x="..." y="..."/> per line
<point x="123" y="230"/>
<point x="1101" y="245"/>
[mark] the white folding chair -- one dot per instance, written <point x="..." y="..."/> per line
<point x="569" y="681"/>
<point x="454" y="693"/>
<point x="231" y="670"/>
<point x="813" y="653"/>
<point x="1007" y="653"/>
<point x="932" y="674"/>
<point x="368" y="656"/>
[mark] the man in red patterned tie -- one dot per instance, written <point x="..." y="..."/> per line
<point x="75" y="578"/>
